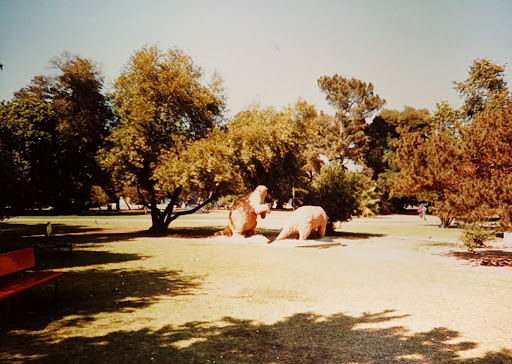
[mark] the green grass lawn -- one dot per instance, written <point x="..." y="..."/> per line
<point x="388" y="292"/>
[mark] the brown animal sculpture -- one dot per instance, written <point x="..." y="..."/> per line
<point x="304" y="221"/>
<point x="244" y="213"/>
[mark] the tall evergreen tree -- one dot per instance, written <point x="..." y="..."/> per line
<point x="354" y="101"/>
<point x="485" y="88"/>
<point x="486" y="185"/>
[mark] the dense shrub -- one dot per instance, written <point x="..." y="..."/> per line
<point x="98" y="197"/>
<point x="342" y="194"/>
<point x="475" y="236"/>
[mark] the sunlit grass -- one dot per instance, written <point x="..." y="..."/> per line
<point x="182" y="298"/>
<point x="406" y="225"/>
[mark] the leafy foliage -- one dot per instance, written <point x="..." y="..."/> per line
<point x="474" y="235"/>
<point x="484" y="88"/>
<point x="385" y="133"/>
<point x="162" y="103"/>
<point x="429" y="169"/>
<point x="354" y="101"/>
<point x="323" y="143"/>
<point x="258" y="146"/>
<point x="26" y="164"/>
<point x="342" y="194"/>
<point x="98" y="196"/>
<point x="487" y="183"/>
<point x="463" y="164"/>
<point x="70" y="138"/>
<point x="227" y="201"/>
<point x="202" y="166"/>
<point x="268" y="145"/>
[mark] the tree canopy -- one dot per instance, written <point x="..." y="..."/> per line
<point x="162" y="101"/>
<point x="487" y="171"/>
<point x="462" y="164"/>
<point x="429" y="168"/>
<point x="26" y="163"/>
<point x="354" y="101"/>
<point x="162" y="135"/>
<point x="57" y="124"/>
<point x="484" y="88"/>
<point x="336" y="184"/>
<point x="257" y="146"/>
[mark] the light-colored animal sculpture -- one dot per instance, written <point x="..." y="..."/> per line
<point x="244" y="213"/>
<point x="304" y="221"/>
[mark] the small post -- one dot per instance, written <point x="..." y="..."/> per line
<point x="48" y="231"/>
<point x="293" y="197"/>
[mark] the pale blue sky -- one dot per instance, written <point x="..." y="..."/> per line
<point x="269" y="51"/>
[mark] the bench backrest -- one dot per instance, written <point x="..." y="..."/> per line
<point x="16" y="261"/>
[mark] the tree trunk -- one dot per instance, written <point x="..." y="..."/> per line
<point x="158" y="226"/>
<point x="127" y="204"/>
<point x="162" y="219"/>
<point x="446" y="222"/>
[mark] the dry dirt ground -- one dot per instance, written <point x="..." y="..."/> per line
<point x="365" y="295"/>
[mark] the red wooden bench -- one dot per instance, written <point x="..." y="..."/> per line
<point x="19" y="261"/>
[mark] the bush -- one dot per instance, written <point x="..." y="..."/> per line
<point x="342" y="194"/>
<point x="475" y="236"/>
<point x="98" y="196"/>
<point x="226" y="201"/>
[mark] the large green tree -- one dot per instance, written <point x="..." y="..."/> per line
<point x="323" y="143"/>
<point x="463" y="163"/>
<point x="465" y="170"/>
<point x="268" y="144"/>
<point x="354" y="101"/>
<point x="429" y="169"/>
<point x="385" y="132"/>
<point x="81" y="119"/>
<point x="162" y="101"/>
<point x="26" y="157"/>
<point x="486" y="174"/>
<point x="257" y="146"/>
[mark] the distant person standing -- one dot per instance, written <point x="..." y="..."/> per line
<point x="422" y="211"/>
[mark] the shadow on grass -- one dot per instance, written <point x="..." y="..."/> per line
<point x="49" y="259"/>
<point x="355" y="236"/>
<point x="49" y="256"/>
<point x="272" y="234"/>
<point x="19" y="236"/>
<point x="192" y="232"/>
<point x="493" y="257"/>
<point x="84" y="294"/>
<point x="301" y="338"/>
<point x="15" y="230"/>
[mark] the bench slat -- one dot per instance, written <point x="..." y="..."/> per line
<point x="29" y="281"/>
<point x="16" y="261"/>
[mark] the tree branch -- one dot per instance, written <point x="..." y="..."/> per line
<point x="144" y="202"/>
<point x="170" y="206"/>
<point x="187" y="212"/>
